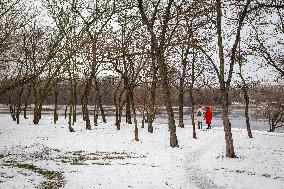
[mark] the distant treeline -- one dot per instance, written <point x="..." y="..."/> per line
<point x="107" y="86"/>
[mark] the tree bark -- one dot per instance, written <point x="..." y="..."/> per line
<point x="71" y="102"/>
<point x="117" y="123"/>
<point x="84" y="100"/>
<point x="19" y="104"/>
<point x="71" y="129"/>
<point x="65" y="112"/>
<point x="134" y="116"/>
<point x="224" y="86"/>
<point x="118" y="105"/>
<point x="246" y="96"/>
<point x="26" y="103"/>
<point x="192" y="114"/>
<point x="244" y="88"/>
<point x="168" y="101"/>
<point x="158" y="45"/>
<point x="191" y="93"/>
<point x="74" y="103"/>
<point x="128" y="102"/>
<point x="37" y="109"/>
<point x="95" y="113"/>
<point x="25" y="110"/>
<point x="151" y="112"/>
<point x="13" y="111"/>
<point x="99" y="100"/>
<point x="143" y="112"/>
<point x="230" y="152"/>
<point x="180" y="107"/>
<point x="55" y="114"/>
<point x="181" y="93"/>
<point x="18" y="111"/>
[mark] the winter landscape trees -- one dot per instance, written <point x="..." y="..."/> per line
<point x="116" y="65"/>
<point x="144" y="58"/>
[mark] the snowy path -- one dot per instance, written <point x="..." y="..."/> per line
<point x="195" y="173"/>
<point x="32" y="156"/>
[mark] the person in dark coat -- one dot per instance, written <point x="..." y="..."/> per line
<point x="208" y="117"/>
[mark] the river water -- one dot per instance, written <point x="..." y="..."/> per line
<point x="236" y="116"/>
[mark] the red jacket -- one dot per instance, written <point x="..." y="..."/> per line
<point x="208" y="115"/>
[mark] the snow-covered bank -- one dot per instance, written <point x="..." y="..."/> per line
<point x="107" y="158"/>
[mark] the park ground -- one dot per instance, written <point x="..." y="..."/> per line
<point x="49" y="156"/>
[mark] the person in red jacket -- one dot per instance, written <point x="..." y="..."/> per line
<point x="208" y="117"/>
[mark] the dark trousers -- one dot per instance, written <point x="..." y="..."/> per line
<point x="199" y="125"/>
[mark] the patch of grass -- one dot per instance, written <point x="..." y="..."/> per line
<point x="54" y="180"/>
<point x="266" y="175"/>
<point x="78" y="153"/>
<point x="98" y="163"/>
<point x="56" y="150"/>
<point x="9" y="161"/>
<point x="83" y="158"/>
<point x="239" y="171"/>
<point x="73" y="160"/>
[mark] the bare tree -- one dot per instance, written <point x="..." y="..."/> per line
<point x="159" y="46"/>
<point x="245" y="86"/>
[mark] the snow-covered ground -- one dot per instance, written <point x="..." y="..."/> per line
<point x="49" y="155"/>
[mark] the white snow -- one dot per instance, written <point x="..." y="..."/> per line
<point x="107" y="158"/>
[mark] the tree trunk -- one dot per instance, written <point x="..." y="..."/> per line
<point x="55" y="114"/>
<point x="143" y="120"/>
<point x="13" y="112"/>
<point x="118" y="105"/>
<point x="246" y="96"/>
<point x="37" y="109"/>
<point x="26" y="103"/>
<point x="99" y="100"/>
<point x="158" y="48"/>
<point x="167" y="97"/>
<point x="151" y="112"/>
<point x="25" y="110"/>
<point x="180" y="106"/>
<point x="19" y="104"/>
<point x="66" y="109"/>
<point x="146" y="117"/>
<point x="85" y="97"/>
<point x="74" y="102"/>
<point x="230" y="152"/>
<point x="192" y="113"/>
<point x="19" y="109"/>
<point x="117" y="123"/>
<point x="95" y="114"/>
<point x="71" y="129"/>
<point x="134" y="116"/>
<point x="86" y="113"/>
<point x="40" y="108"/>
<point x="272" y="121"/>
<point x="224" y="86"/>
<point x="18" y="118"/>
<point x="181" y="93"/>
<point x="128" y="104"/>
<point x="143" y="112"/>
<point x="191" y="93"/>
